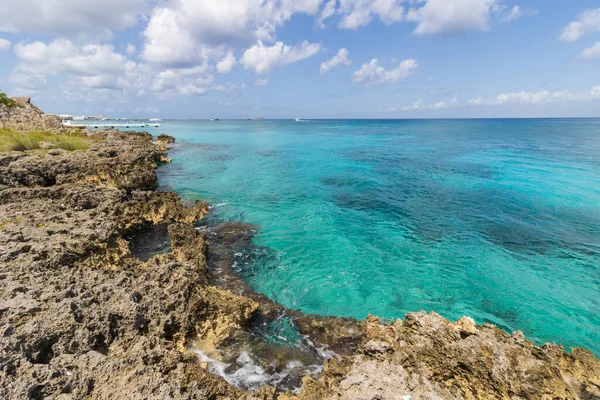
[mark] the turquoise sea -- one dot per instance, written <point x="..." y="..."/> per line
<point x="494" y="219"/>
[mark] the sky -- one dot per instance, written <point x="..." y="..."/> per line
<point x="304" y="58"/>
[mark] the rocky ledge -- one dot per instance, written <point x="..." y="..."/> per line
<point x="22" y="115"/>
<point x="82" y="316"/>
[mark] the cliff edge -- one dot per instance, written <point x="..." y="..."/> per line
<point x="20" y="115"/>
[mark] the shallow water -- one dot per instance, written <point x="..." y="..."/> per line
<point x="495" y="219"/>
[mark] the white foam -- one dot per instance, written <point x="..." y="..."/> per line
<point x="324" y="351"/>
<point x="217" y="205"/>
<point x="249" y="375"/>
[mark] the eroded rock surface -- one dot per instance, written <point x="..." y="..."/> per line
<point x="25" y="116"/>
<point x="428" y="357"/>
<point x="80" y="317"/>
<point x="164" y="139"/>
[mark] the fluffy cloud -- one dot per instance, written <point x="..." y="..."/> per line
<point x="226" y="65"/>
<point x="372" y="74"/>
<point x="98" y="70"/>
<point x="70" y="18"/>
<point x="441" y="105"/>
<point x="591" y="52"/>
<point x="260" y="58"/>
<point x="261" y="82"/>
<point x="533" y="97"/>
<point x="341" y="58"/>
<point x="513" y="98"/>
<point x="357" y="13"/>
<point x="228" y="88"/>
<point x="514" y="13"/>
<point x="184" y="81"/>
<point x="537" y="98"/>
<point x="589" y="21"/>
<point x="452" y="16"/>
<point x="62" y="55"/>
<point x="186" y="31"/>
<point x="88" y="68"/>
<point x="130" y="49"/>
<point x="417" y="105"/>
<point x="4" y="44"/>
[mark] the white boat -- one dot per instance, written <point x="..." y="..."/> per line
<point x="214" y="119"/>
<point x="155" y="120"/>
<point x="297" y="119"/>
<point x="255" y="119"/>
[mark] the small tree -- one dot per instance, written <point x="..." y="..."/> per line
<point x="7" y="101"/>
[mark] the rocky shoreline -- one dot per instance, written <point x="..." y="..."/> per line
<point x="84" y="316"/>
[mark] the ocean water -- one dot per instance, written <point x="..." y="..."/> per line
<point x="494" y="219"/>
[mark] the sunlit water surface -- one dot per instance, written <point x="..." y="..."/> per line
<point x="495" y="219"/>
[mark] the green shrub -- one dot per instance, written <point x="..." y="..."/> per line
<point x="69" y="140"/>
<point x="7" y="101"/>
<point x="71" y="143"/>
<point x="14" y="141"/>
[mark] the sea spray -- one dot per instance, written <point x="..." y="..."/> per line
<point x="244" y="373"/>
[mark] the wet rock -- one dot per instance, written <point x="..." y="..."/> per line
<point x="164" y="139"/>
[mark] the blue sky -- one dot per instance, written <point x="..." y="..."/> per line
<point x="308" y="58"/>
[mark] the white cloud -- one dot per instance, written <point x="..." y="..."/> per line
<point x="226" y="65"/>
<point x="515" y="99"/>
<point x="534" y="97"/>
<point x="89" y="70"/>
<point x="83" y="70"/>
<point x="228" y="88"/>
<point x="538" y="98"/>
<point x="478" y="101"/>
<point x="261" y="82"/>
<point x="341" y="58"/>
<point x="589" y="21"/>
<point x="357" y="13"/>
<point x="185" y="31"/>
<point x="327" y="12"/>
<point x="514" y="13"/>
<point x="441" y="105"/>
<point x="183" y="81"/>
<point x="417" y="105"/>
<point x="4" y="44"/>
<point x="372" y="74"/>
<point x="130" y="49"/>
<point x="260" y="58"/>
<point x="27" y="80"/>
<point x="452" y="16"/>
<point x="70" y="18"/>
<point x="591" y="52"/>
<point x="62" y="55"/>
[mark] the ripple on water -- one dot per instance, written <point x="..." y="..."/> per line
<point x="496" y="219"/>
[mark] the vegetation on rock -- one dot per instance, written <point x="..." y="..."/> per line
<point x="7" y="101"/>
<point x="17" y="141"/>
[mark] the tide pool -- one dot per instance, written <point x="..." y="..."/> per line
<point x="495" y="219"/>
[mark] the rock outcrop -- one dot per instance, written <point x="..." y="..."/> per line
<point x="82" y="317"/>
<point x="26" y="117"/>
<point x="428" y="357"/>
<point x="164" y="139"/>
